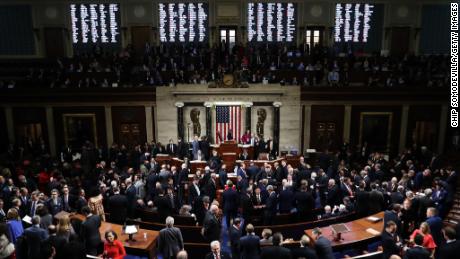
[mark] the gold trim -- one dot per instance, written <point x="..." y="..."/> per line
<point x="390" y="121"/>
<point x="66" y="116"/>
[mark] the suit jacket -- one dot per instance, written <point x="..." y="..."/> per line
<point x="89" y="231"/>
<point x="250" y="247"/>
<point x="286" y="200"/>
<point x="449" y="250"/>
<point x="235" y="235"/>
<point x="70" y="204"/>
<point x="58" y="242"/>
<point x="35" y="235"/>
<point x="304" y="203"/>
<point x="389" y="245"/>
<point x="304" y="252"/>
<point x="172" y="150"/>
<point x="271" y="204"/>
<point x="230" y="200"/>
<point x="417" y="252"/>
<point x="275" y="252"/>
<point x="390" y="215"/>
<point x="53" y="207"/>
<point x="334" y="196"/>
<point x="246" y="205"/>
<point x="170" y="242"/>
<point x="376" y="202"/>
<point x="117" y="207"/>
<point x="211" y="227"/>
<point x="223" y="255"/>
<point x="163" y="206"/>
<point x="436" y="226"/>
<point x="323" y="248"/>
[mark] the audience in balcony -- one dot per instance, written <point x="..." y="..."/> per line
<point x="167" y="65"/>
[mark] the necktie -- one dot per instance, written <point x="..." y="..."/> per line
<point x="32" y="210"/>
<point x="258" y="198"/>
<point x="217" y="256"/>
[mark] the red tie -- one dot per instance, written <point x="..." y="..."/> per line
<point x="217" y="256"/>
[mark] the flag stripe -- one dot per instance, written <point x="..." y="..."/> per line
<point x="228" y="119"/>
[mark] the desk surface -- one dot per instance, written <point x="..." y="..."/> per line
<point x="147" y="245"/>
<point x="360" y="230"/>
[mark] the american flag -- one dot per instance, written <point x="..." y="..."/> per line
<point x="228" y="118"/>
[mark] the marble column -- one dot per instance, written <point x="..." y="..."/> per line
<point x="403" y="131"/>
<point x="442" y="128"/>
<point x="180" y="119"/>
<point x="149" y="123"/>
<point x="248" y="111"/>
<point x="276" y="126"/>
<point x="10" y="124"/>
<point x="307" y="127"/>
<point x="51" y="132"/>
<point x="347" y="124"/>
<point x="108" y="125"/>
<point x="208" y="106"/>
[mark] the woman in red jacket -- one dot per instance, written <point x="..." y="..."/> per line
<point x="113" y="248"/>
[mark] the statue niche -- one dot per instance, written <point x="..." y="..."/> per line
<point x="195" y="118"/>
<point x="261" y="116"/>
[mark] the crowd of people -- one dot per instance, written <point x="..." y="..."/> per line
<point x="167" y="65"/>
<point x="413" y="189"/>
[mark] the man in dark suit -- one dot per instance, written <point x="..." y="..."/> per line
<point x="250" y="244"/>
<point x="247" y="206"/>
<point x="163" y="205"/>
<point x="211" y="225"/>
<point x="170" y="240"/>
<point x="334" y="196"/>
<point x="171" y="148"/>
<point x="81" y="201"/>
<point x="376" y="201"/>
<point x="58" y="242"/>
<point x="435" y="223"/>
<point x="68" y="200"/>
<point x="270" y="206"/>
<point x="276" y="251"/>
<point x="211" y="187"/>
<point x="304" y="251"/>
<point x="216" y="252"/>
<point x="417" y="251"/>
<point x="54" y="203"/>
<point x="323" y="246"/>
<point x="35" y="235"/>
<point x="392" y="215"/>
<point x="230" y="202"/>
<point x="304" y="203"/>
<point x="117" y="207"/>
<point x="362" y="197"/>
<point x="452" y="246"/>
<point x="286" y="198"/>
<point x="89" y="232"/>
<point x="131" y="196"/>
<point x="390" y="240"/>
<point x="235" y="235"/>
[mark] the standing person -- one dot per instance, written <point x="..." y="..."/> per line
<point x="211" y="225"/>
<point x="195" y="147"/>
<point x="89" y="232"/>
<point x="452" y="246"/>
<point x="276" y="251"/>
<point x="270" y="206"/>
<point x="113" y="248"/>
<point x="216" y="252"/>
<point x="117" y="206"/>
<point x="390" y="241"/>
<point x="323" y="246"/>
<point x="95" y="204"/>
<point x="230" y="202"/>
<point x="235" y="235"/>
<point x="170" y="240"/>
<point x="14" y="225"/>
<point x="35" y="235"/>
<point x="250" y="244"/>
